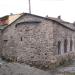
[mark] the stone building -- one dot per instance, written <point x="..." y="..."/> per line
<point x="35" y="38"/>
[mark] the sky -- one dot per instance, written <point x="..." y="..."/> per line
<point x="52" y="8"/>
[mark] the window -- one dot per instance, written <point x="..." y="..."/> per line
<point x="59" y="47"/>
<point x="71" y="43"/>
<point x="65" y="45"/>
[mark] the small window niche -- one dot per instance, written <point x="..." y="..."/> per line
<point x="21" y="39"/>
<point x="65" y="45"/>
<point x="5" y="41"/>
<point x="59" y="47"/>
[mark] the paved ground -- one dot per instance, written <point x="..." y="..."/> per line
<point x="20" y="69"/>
<point x="68" y="70"/>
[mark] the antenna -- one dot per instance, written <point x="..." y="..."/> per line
<point x="29" y="7"/>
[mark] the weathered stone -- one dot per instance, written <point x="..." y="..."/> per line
<point x="34" y="40"/>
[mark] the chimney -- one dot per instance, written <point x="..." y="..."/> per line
<point x="46" y="16"/>
<point x="11" y="13"/>
<point x="59" y="17"/>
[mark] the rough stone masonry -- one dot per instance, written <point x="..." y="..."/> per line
<point x="35" y="39"/>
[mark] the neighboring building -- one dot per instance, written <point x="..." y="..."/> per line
<point x="7" y="20"/>
<point x="4" y="22"/>
<point x="35" y="38"/>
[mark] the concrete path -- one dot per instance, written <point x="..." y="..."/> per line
<point x="68" y="70"/>
<point x="18" y="69"/>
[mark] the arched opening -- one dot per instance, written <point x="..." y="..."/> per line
<point x="65" y="45"/>
<point x="71" y="43"/>
<point x="59" y="47"/>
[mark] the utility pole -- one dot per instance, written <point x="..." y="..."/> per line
<point x="29" y="7"/>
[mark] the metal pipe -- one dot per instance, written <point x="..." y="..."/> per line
<point x="29" y="7"/>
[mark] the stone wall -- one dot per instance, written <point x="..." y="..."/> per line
<point x="34" y="40"/>
<point x="60" y="34"/>
<point x="29" y="41"/>
<point x="1" y="44"/>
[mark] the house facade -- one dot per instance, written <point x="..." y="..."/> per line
<point x="32" y="38"/>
